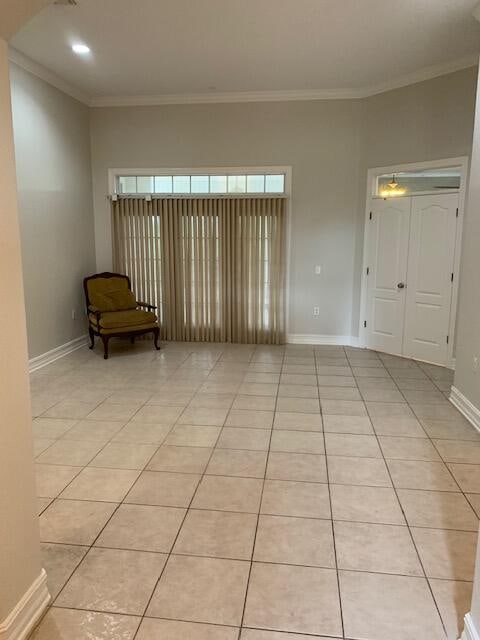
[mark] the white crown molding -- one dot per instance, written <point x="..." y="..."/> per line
<point x="421" y="75"/>
<point x="427" y="73"/>
<point x="21" y="620"/>
<point x="54" y="354"/>
<point x="45" y="74"/>
<point x="227" y="97"/>
<point x="467" y="408"/>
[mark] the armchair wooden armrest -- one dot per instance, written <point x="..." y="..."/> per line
<point x="146" y="304"/>
<point x="95" y="311"/>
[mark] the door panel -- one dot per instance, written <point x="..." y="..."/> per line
<point x="430" y="265"/>
<point x="387" y="263"/>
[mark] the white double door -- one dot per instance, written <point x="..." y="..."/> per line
<point x="410" y="258"/>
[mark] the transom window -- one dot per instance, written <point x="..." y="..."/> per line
<point x="221" y="184"/>
<point x="405" y="183"/>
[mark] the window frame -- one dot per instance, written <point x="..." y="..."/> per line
<point x="287" y="170"/>
<point x="113" y="175"/>
<point x="405" y="175"/>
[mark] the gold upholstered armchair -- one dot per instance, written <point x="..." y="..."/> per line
<point x="113" y="310"/>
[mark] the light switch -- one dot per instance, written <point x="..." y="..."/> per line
<point x="318" y="269"/>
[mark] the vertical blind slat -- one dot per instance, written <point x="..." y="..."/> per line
<point x="215" y="268"/>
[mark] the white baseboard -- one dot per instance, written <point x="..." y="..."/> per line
<point x="315" y="338"/>
<point x="19" y="623"/>
<point x="50" y="356"/>
<point x="467" y="408"/>
<point x="469" y="631"/>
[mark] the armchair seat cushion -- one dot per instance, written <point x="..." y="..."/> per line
<point x="132" y="319"/>
<point x="128" y="331"/>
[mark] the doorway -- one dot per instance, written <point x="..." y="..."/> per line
<point x="411" y="261"/>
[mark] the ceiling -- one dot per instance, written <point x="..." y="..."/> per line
<point x="169" y="49"/>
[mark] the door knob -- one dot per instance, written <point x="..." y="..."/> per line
<point x="401" y="285"/>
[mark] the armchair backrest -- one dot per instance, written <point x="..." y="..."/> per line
<point x="109" y="292"/>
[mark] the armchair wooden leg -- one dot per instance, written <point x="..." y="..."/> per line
<point x="105" y="347"/>
<point x="132" y="339"/>
<point x="92" y="337"/>
<point x="156" y="335"/>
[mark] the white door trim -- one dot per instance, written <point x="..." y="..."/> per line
<point x="462" y="164"/>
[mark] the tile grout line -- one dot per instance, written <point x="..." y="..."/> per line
<point x="428" y="437"/>
<point x="259" y="511"/>
<point x="431" y="440"/>
<point x="92" y="545"/>
<point x="282" y="515"/>
<point x="235" y="395"/>
<point x="408" y="524"/>
<point x="181" y="525"/>
<point x="264" y="562"/>
<point x="337" y="572"/>
<point x="169" y="555"/>
<point x="89" y="547"/>
<point x="85" y="418"/>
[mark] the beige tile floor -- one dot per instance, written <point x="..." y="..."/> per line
<point x="228" y="492"/>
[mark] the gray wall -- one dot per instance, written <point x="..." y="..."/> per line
<point x="320" y="140"/>
<point x="52" y="147"/>
<point x="329" y="144"/>
<point x="429" y="120"/>
<point x="467" y="381"/>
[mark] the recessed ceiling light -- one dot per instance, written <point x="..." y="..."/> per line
<point x="81" y="49"/>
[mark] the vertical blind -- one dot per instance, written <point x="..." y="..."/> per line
<point x="214" y="267"/>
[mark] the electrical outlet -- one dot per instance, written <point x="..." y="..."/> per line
<point x="74" y="314"/>
<point x="316" y="311"/>
<point x="475" y="363"/>
<point x="318" y="269"/>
